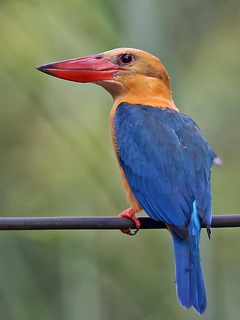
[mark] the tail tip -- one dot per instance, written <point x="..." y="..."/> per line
<point x="199" y="308"/>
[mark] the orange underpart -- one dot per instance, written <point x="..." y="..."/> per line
<point x="130" y="214"/>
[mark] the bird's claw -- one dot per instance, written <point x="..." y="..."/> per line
<point x="129" y="231"/>
<point x="130" y="214"/>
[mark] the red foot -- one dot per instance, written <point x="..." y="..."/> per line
<point x="130" y="214"/>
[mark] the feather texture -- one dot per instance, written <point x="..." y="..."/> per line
<point x="167" y="164"/>
<point x="189" y="278"/>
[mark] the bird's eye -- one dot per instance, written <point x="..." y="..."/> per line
<point x="125" y="58"/>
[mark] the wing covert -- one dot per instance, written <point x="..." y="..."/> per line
<point x="166" y="161"/>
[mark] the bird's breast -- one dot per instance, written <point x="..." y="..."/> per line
<point x="129" y="195"/>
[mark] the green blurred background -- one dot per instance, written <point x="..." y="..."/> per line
<point x="57" y="158"/>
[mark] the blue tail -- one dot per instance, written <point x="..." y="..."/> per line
<point x="189" y="277"/>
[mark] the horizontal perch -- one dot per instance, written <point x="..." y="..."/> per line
<point x="104" y="223"/>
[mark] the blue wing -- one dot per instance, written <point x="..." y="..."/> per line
<point x="166" y="161"/>
<point x="167" y="164"/>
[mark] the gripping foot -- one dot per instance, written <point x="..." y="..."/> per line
<point x="130" y="214"/>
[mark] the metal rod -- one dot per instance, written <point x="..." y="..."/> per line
<point x="60" y="223"/>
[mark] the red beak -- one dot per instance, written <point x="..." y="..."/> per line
<point x="87" y="69"/>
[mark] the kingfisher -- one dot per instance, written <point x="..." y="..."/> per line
<point x="164" y="160"/>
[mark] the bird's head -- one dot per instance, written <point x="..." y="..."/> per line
<point x="130" y="75"/>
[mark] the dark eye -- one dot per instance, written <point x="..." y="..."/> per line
<point x="125" y="58"/>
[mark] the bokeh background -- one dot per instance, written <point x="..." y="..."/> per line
<point x="57" y="158"/>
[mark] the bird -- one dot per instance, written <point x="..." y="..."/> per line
<point x="165" y="162"/>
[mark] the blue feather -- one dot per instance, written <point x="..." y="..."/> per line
<point x="167" y="164"/>
<point x="166" y="161"/>
<point x="189" y="277"/>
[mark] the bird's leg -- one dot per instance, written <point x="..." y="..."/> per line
<point x="130" y="214"/>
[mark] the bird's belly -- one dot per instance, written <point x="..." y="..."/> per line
<point x="130" y="197"/>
